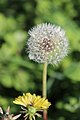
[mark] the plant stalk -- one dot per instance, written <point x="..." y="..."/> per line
<point x="45" y="88"/>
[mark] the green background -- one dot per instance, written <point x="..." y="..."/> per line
<point x="19" y="75"/>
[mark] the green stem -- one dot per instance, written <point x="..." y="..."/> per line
<point x="44" y="80"/>
<point x="44" y="88"/>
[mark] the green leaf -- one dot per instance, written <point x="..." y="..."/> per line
<point x="73" y="72"/>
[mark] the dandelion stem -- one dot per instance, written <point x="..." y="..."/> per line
<point x="44" y="88"/>
<point x="44" y="79"/>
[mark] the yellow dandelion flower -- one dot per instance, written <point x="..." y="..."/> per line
<point x="23" y="100"/>
<point x="32" y="104"/>
<point x="32" y="100"/>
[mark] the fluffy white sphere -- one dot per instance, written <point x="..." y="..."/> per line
<point x="47" y="43"/>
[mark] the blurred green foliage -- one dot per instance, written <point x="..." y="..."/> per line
<point x="18" y="74"/>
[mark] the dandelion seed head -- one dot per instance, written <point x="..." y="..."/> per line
<point x="47" y="43"/>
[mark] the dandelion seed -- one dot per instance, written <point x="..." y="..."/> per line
<point x="47" y="43"/>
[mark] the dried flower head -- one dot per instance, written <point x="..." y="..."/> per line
<point x="7" y="115"/>
<point x="47" y="43"/>
<point x="32" y="104"/>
